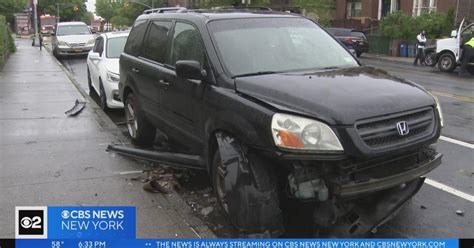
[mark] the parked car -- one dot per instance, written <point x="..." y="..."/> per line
<point x="103" y="68"/>
<point x="447" y="53"/>
<point x="71" y="38"/>
<point x="351" y="38"/>
<point x="275" y="109"/>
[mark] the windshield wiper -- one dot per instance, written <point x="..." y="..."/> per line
<point x="256" y="73"/>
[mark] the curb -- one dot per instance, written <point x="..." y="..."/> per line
<point x="386" y="60"/>
<point x="179" y="204"/>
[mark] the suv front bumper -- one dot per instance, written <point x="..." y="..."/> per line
<point x="358" y="188"/>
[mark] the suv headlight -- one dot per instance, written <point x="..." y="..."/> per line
<point x="90" y="42"/>
<point x="294" y="132"/>
<point x="62" y="43"/>
<point x="112" y="77"/>
<point x="438" y="107"/>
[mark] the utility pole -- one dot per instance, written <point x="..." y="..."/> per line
<point x="35" y="13"/>
<point x="57" y="12"/>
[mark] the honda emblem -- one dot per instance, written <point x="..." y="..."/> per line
<point x="402" y="128"/>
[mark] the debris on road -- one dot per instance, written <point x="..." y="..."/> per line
<point x="76" y="109"/>
<point x="207" y="210"/>
<point x="422" y="206"/>
<point x="460" y="212"/>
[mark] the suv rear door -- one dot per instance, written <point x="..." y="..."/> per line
<point x="152" y="57"/>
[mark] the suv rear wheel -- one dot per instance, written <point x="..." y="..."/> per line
<point x="139" y="129"/>
<point x="447" y="63"/>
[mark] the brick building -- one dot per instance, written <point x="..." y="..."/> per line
<point x="363" y="14"/>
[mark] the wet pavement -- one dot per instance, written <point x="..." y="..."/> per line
<point x="431" y="213"/>
<point x="47" y="158"/>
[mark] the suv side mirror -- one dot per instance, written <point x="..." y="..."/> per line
<point x="454" y="33"/>
<point x="190" y="69"/>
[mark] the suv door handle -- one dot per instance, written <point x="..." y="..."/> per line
<point x="135" y="70"/>
<point x="164" y="83"/>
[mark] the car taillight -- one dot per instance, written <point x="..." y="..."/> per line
<point x="348" y="40"/>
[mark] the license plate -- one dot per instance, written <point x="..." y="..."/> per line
<point x="78" y="50"/>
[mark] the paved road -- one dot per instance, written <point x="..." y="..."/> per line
<point x="437" y="217"/>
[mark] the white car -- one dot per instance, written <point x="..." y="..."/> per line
<point x="71" y="38"/>
<point x="103" y="68"/>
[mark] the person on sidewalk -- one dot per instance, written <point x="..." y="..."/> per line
<point x="467" y="55"/>
<point x="420" y="54"/>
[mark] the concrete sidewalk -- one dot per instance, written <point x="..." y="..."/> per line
<point x="47" y="158"/>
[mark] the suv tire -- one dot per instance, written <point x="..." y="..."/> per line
<point x="89" y="81"/>
<point x="140" y="130"/>
<point x="447" y="62"/>
<point x="430" y="59"/>
<point x="253" y="205"/>
<point x="102" y="97"/>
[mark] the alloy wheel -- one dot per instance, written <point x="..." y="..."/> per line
<point x="132" y="124"/>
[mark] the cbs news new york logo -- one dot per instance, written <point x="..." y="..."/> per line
<point x="31" y="222"/>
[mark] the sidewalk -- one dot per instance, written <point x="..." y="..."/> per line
<point x="402" y="60"/>
<point x="47" y="158"/>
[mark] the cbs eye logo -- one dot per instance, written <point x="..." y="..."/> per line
<point x="30" y="222"/>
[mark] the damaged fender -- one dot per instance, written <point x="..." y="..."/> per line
<point x="250" y="189"/>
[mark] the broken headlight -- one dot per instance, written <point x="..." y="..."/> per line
<point x="294" y="132"/>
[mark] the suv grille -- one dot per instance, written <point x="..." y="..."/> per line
<point x="77" y="44"/>
<point x="381" y="132"/>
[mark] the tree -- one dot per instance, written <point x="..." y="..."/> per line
<point x="319" y="10"/>
<point x="107" y="9"/>
<point x="66" y="9"/>
<point x="9" y="7"/>
<point x="87" y="18"/>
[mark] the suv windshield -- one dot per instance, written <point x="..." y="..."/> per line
<point x="271" y="45"/>
<point x="115" y="47"/>
<point x="73" y="30"/>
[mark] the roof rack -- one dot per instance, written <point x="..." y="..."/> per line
<point x="163" y="10"/>
<point x="263" y="8"/>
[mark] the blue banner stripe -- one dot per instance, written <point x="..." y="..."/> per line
<point x="241" y="243"/>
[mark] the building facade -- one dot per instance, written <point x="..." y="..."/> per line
<point x="363" y="14"/>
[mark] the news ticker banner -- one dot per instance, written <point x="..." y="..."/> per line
<point x="238" y="243"/>
<point x="75" y="222"/>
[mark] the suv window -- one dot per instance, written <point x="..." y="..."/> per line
<point x="186" y="44"/>
<point x="72" y="30"/>
<point x="156" y="41"/>
<point x="135" y="38"/>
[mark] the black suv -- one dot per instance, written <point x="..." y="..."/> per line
<point x="278" y="111"/>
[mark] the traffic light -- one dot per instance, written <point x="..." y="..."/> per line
<point x="76" y="7"/>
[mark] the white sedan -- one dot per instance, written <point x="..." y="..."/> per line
<point x="103" y="68"/>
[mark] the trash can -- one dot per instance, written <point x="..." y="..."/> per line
<point x="411" y="50"/>
<point x="403" y="50"/>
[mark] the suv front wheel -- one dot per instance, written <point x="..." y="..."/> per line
<point x="139" y="129"/>
<point x="447" y="62"/>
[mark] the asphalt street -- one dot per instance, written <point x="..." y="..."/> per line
<point x="432" y="212"/>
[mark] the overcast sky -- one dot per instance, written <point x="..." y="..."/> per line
<point x="90" y="5"/>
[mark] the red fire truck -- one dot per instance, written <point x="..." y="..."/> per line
<point x="47" y="23"/>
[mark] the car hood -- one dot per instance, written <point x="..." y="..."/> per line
<point x="339" y="97"/>
<point x="83" y="38"/>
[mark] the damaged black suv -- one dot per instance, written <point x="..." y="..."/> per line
<point x="276" y="109"/>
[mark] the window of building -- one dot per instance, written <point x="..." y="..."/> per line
<point x="423" y="6"/>
<point x="354" y="8"/>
